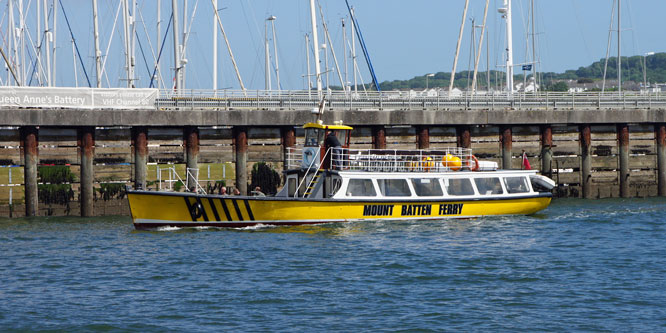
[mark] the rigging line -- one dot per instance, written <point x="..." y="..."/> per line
<point x="113" y="29"/>
<point x="37" y="63"/>
<point x="150" y="45"/>
<point x="580" y="27"/>
<point x="159" y="55"/>
<point x="610" y="36"/>
<point x="145" y="61"/>
<point x="75" y="45"/>
<point x="363" y="47"/>
<point x="189" y="28"/>
<point x="11" y="69"/>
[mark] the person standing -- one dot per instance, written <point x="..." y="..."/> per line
<point x="336" y="149"/>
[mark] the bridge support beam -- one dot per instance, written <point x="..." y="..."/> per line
<point x="623" y="150"/>
<point x="546" y="150"/>
<point x="506" y="139"/>
<point x="140" y="147"/>
<point x="464" y="136"/>
<point x="86" y="141"/>
<point x="378" y="137"/>
<point x="29" y="140"/>
<point x="586" y="160"/>
<point x="288" y="135"/>
<point x="191" y="142"/>
<point x="660" y="134"/>
<point x="240" y="146"/>
<point x="422" y="137"/>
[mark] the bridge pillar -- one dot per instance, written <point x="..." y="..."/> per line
<point x="660" y="133"/>
<point x="288" y="140"/>
<point x="623" y="150"/>
<point x="506" y="139"/>
<point x="191" y="138"/>
<point x="140" y="147"/>
<point x="546" y="150"/>
<point x="586" y="160"/>
<point x="378" y="137"/>
<point x="240" y="145"/>
<point x="86" y="141"/>
<point x="29" y="140"/>
<point x="422" y="137"/>
<point x="463" y="136"/>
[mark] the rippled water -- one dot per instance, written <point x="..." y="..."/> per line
<point x="579" y="265"/>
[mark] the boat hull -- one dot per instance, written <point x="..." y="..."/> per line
<point x="160" y="209"/>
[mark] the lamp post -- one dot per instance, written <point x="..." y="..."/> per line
<point x="427" y="76"/>
<point x="645" y="69"/>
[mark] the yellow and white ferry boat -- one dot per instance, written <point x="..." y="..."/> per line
<point x="341" y="184"/>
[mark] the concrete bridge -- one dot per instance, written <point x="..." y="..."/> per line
<point x="631" y="129"/>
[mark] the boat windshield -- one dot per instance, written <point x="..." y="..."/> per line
<point x="314" y="137"/>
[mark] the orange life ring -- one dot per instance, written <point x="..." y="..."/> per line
<point x="476" y="164"/>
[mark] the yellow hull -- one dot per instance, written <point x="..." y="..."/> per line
<point x="156" y="209"/>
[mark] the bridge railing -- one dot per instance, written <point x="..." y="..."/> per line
<point x="405" y="100"/>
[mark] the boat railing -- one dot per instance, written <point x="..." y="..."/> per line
<point x="192" y="178"/>
<point x="392" y="160"/>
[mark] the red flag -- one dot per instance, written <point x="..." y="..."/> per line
<point x="526" y="162"/>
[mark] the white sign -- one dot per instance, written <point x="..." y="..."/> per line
<point x="78" y="98"/>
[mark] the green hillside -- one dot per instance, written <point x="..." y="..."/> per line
<point x="632" y="70"/>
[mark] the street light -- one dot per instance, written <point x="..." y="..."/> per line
<point x="645" y="69"/>
<point x="427" y="76"/>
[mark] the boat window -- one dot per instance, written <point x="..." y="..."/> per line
<point x="516" y="184"/>
<point x="394" y="187"/>
<point x="459" y="186"/>
<point x="427" y="187"/>
<point x="488" y="186"/>
<point x="360" y="188"/>
<point x="314" y="137"/>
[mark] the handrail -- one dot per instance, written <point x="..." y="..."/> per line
<point x="298" y="188"/>
<point x="373" y="100"/>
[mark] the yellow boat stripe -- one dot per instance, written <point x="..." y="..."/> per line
<point x="238" y="212"/>
<point x="249" y="210"/>
<point x="226" y="210"/>
<point x="189" y="208"/>
<point x="203" y="209"/>
<point x="214" y="209"/>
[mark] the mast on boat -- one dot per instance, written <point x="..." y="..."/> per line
<point x="315" y="44"/>
<point x="506" y="14"/>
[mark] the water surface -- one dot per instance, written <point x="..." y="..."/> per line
<point x="579" y="265"/>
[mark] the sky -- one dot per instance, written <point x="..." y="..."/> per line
<point x="404" y="38"/>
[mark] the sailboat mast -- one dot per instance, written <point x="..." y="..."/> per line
<point x="460" y="34"/>
<point x="509" y="48"/>
<point x="353" y="45"/>
<point x="98" y="65"/>
<point x="478" y="56"/>
<point x="275" y="52"/>
<point x="47" y="46"/>
<point x="619" y="44"/>
<point x="128" y="56"/>
<point x="307" y="61"/>
<point x="315" y="44"/>
<point x="159" y="42"/>
<point x="55" y="39"/>
<point x="214" y="46"/>
<point x="176" y="44"/>
<point x="534" y="60"/>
